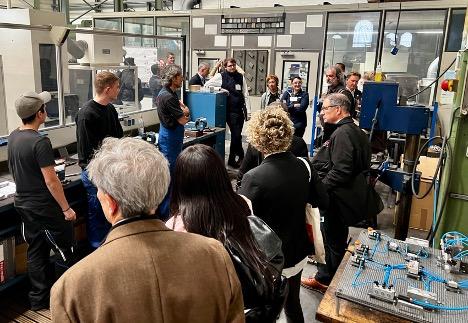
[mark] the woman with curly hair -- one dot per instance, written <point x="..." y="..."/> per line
<point x="279" y="189"/>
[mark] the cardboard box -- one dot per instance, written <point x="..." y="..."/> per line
<point x="422" y="209"/>
<point x="21" y="258"/>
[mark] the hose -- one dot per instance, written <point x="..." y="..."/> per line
<point x="433" y="230"/>
<point x="444" y="143"/>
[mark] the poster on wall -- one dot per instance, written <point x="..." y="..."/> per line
<point x="293" y="69"/>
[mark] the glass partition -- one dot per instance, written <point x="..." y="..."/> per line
<point x="3" y="111"/>
<point x="108" y="23"/>
<point x="131" y="62"/>
<point x="143" y="26"/>
<point x="172" y="26"/>
<point x="455" y="30"/>
<point x="352" y="39"/>
<point x="419" y="40"/>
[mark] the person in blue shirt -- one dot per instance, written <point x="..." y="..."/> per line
<point x="297" y="102"/>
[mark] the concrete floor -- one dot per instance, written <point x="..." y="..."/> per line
<point x="310" y="300"/>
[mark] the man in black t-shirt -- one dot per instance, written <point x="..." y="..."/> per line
<point x="39" y="199"/>
<point x="96" y="120"/>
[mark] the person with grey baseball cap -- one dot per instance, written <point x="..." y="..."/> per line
<point x="40" y="200"/>
<point x="29" y="103"/>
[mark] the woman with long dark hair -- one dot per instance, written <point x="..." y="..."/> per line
<point x="204" y="200"/>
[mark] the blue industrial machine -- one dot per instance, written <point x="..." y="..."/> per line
<point x="379" y="107"/>
<point x="211" y="106"/>
<point x="380" y="111"/>
<point x="208" y="110"/>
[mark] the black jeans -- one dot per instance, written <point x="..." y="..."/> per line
<point x="235" y="122"/>
<point x="45" y="229"/>
<point x="292" y="307"/>
<point x="335" y="235"/>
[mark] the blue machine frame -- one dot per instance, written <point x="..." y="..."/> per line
<point x="379" y="101"/>
<point x="379" y="111"/>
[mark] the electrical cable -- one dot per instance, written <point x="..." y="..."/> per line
<point x="439" y="163"/>
<point x="438" y="77"/>
<point x="433" y="230"/>
<point x="397" y="25"/>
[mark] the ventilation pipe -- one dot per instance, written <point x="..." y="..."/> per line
<point x="186" y="4"/>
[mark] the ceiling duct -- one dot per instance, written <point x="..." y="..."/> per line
<point x="185" y="4"/>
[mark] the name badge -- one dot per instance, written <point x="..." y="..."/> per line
<point x="238" y="87"/>
<point x="293" y="99"/>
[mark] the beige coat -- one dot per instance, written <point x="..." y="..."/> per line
<point x="145" y="272"/>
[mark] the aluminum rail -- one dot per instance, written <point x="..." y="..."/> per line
<point x="86" y="31"/>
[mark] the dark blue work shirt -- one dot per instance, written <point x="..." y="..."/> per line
<point x="297" y="105"/>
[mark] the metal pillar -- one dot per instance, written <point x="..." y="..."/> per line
<point x="65" y="8"/>
<point x="118" y="5"/>
<point x="403" y="209"/>
<point x="61" y="99"/>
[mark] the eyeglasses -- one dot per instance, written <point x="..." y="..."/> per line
<point x="328" y="107"/>
<point x="231" y="65"/>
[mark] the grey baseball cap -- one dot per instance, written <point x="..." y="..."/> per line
<point x="30" y="102"/>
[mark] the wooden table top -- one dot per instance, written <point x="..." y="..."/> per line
<point x="348" y="311"/>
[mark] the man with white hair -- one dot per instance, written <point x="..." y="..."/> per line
<point x="200" y="77"/>
<point x="145" y="272"/>
<point x="45" y="212"/>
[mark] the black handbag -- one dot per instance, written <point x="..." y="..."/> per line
<point x="262" y="303"/>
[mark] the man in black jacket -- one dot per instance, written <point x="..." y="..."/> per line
<point x="348" y="156"/>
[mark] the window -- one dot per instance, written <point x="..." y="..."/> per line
<point x="144" y="26"/>
<point x="108" y="23"/>
<point x="455" y="30"/>
<point x="406" y="39"/>
<point x="363" y="31"/>
<point x="420" y="38"/>
<point x="172" y="26"/>
<point x="352" y="40"/>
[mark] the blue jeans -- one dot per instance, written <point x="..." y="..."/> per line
<point x="97" y="226"/>
<point x="170" y="144"/>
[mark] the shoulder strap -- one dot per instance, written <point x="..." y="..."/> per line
<point x="307" y="165"/>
